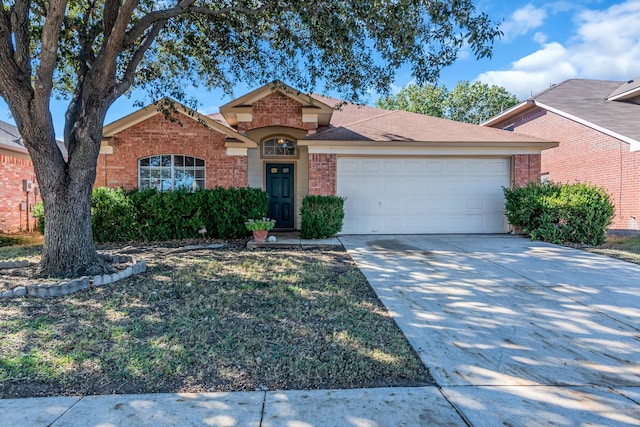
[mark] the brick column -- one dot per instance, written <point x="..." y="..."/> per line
<point x="526" y="168"/>
<point x="322" y="174"/>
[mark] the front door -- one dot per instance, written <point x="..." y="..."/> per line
<point x="280" y="185"/>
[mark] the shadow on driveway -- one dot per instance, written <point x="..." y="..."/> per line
<point x="514" y="331"/>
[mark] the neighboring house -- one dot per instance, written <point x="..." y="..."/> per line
<point x="598" y="126"/>
<point x="400" y="172"/>
<point x="16" y="177"/>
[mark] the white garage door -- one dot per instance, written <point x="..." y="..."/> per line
<point x="423" y="195"/>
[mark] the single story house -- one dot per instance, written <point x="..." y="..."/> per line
<point x="17" y="182"/>
<point x="400" y="172"/>
<point x="597" y="123"/>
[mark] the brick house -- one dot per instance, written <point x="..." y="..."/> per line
<point x="400" y="172"/>
<point x="598" y="126"/>
<point x="16" y="177"/>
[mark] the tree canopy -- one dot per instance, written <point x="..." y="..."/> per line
<point x="466" y="102"/>
<point x="91" y="52"/>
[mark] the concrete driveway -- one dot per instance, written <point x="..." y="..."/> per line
<point x="514" y="332"/>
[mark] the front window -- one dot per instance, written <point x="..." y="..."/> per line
<point x="171" y="172"/>
<point x="279" y="146"/>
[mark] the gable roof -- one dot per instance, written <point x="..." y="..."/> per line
<point x="151" y="110"/>
<point x="588" y="102"/>
<point x="362" y="123"/>
<point x="628" y="90"/>
<point x="311" y="104"/>
<point x="10" y="138"/>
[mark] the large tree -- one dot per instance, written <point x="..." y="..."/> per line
<point x="91" y="52"/>
<point x="466" y="102"/>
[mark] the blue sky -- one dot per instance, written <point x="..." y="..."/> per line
<point x="544" y="42"/>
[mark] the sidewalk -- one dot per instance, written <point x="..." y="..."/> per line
<point x="388" y="407"/>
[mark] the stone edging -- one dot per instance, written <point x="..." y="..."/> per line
<point x="64" y="288"/>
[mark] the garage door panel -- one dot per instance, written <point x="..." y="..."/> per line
<point x="428" y="195"/>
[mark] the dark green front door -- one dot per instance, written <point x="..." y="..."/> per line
<point x="280" y="185"/>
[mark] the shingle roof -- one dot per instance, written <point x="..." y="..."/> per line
<point x="362" y="123"/>
<point x="630" y="86"/>
<point x="587" y="100"/>
<point x="350" y="122"/>
<point x="10" y="138"/>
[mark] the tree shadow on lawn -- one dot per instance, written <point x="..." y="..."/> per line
<point x="209" y="321"/>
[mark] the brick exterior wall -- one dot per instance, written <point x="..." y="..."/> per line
<point x="587" y="155"/>
<point x="12" y="171"/>
<point x="157" y="135"/>
<point x="526" y="168"/>
<point x="276" y="109"/>
<point x="322" y="174"/>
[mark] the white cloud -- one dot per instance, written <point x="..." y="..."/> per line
<point x="540" y="38"/>
<point x="605" y="45"/>
<point x="522" y="21"/>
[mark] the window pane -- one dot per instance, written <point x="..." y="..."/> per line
<point x="279" y="146"/>
<point x="183" y="179"/>
<point x="168" y="172"/>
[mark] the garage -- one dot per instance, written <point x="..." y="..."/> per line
<point x="423" y="195"/>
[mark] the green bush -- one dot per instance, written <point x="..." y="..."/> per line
<point x="151" y="215"/>
<point x="560" y="213"/>
<point x="38" y="214"/>
<point x="112" y="216"/>
<point x="321" y="216"/>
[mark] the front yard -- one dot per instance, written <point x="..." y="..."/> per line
<point x="202" y="320"/>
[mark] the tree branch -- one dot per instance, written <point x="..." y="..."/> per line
<point x="187" y="6"/>
<point x="129" y="74"/>
<point x="20" y="27"/>
<point x="49" y="53"/>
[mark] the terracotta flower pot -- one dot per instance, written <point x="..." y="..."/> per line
<point x="260" y="235"/>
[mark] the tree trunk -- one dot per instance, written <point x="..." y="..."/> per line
<point x="69" y="250"/>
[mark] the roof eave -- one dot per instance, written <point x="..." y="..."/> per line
<point x="632" y="93"/>
<point x="510" y="113"/>
<point x="150" y="110"/>
<point x="634" y="145"/>
<point x="363" y="143"/>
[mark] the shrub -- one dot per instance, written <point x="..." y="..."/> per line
<point x="112" y="216"/>
<point x="151" y="215"/>
<point x="38" y="214"/>
<point x="321" y="216"/>
<point x="577" y="213"/>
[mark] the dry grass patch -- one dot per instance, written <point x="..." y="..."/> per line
<point x="621" y="247"/>
<point x="208" y="320"/>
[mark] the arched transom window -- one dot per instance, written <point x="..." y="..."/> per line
<point x="279" y="146"/>
<point x="171" y="172"/>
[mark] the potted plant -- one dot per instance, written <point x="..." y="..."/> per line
<point x="260" y="228"/>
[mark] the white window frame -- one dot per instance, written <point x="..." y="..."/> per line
<point x="200" y="183"/>
<point x="279" y="144"/>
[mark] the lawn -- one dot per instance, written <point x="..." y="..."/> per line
<point x="227" y="319"/>
<point x="624" y="248"/>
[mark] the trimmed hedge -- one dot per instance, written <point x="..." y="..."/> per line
<point x="151" y="215"/>
<point x="560" y="213"/>
<point x="321" y="216"/>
